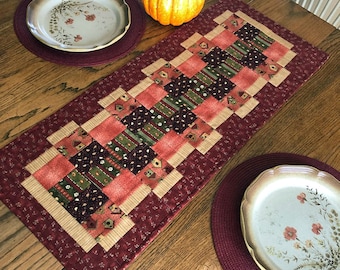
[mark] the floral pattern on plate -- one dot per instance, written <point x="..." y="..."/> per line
<point x="290" y="219"/>
<point x="68" y="14"/>
<point x="309" y="250"/>
<point x="78" y="25"/>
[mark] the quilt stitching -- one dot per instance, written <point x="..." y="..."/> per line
<point x="134" y="146"/>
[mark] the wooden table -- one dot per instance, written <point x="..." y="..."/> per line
<point x="32" y="89"/>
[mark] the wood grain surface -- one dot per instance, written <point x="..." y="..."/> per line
<point x="32" y="89"/>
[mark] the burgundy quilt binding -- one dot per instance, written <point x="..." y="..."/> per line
<point x="225" y="213"/>
<point x="197" y="169"/>
<point x="105" y="55"/>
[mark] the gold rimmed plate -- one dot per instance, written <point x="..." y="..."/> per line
<point x="290" y="218"/>
<point x="78" y="26"/>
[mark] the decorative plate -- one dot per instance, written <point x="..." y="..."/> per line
<point x="78" y="26"/>
<point x="290" y="219"/>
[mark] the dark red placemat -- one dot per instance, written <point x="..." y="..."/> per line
<point x="124" y="157"/>
<point x="225" y="214"/>
<point x="105" y="55"/>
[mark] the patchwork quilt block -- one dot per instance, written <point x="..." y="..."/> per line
<point x="112" y="168"/>
<point x="96" y="173"/>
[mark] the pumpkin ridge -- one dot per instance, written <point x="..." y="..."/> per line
<point x="171" y="11"/>
<point x="165" y="9"/>
<point x="175" y="12"/>
<point x="179" y="12"/>
<point x="173" y="15"/>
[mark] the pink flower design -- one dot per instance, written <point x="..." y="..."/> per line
<point x="91" y="17"/>
<point x="301" y="197"/>
<point x="77" y="38"/>
<point x="69" y="21"/>
<point x="316" y="228"/>
<point x="290" y="233"/>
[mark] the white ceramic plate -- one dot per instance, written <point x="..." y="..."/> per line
<point x="290" y="218"/>
<point x="78" y="26"/>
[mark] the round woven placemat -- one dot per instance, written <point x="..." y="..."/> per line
<point x="225" y="214"/>
<point x="105" y="55"/>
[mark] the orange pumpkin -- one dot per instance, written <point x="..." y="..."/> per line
<point x="175" y="12"/>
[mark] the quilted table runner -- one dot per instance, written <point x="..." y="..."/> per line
<point x="100" y="178"/>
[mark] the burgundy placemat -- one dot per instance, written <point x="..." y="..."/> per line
<point x="124" y="157"/>
<point x="103" y="56"/>
<point x="225" y="214"/>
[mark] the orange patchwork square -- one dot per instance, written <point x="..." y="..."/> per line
<point x="245" y="78"/>
<point x="275" y="51"/>
<point x="151" y="95"/>
<point x="209" y="109"/>
<point x="224" y="39"/>
<point x="192" y="66"/>
<point x="53" y="171"/>
<point x="121" y="187"/>
<point x="107" y="130"/>
<point x="168" y="145"/>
